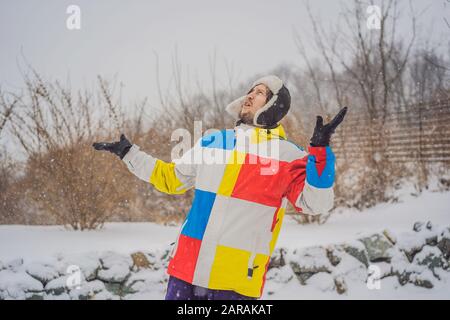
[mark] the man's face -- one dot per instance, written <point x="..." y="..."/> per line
<point x="254" y="101"/>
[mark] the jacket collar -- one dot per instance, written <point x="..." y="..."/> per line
<point x="262" y="134"/>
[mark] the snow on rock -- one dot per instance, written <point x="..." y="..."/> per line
<point x="42" y="271"/>
<point x="382" y="269"/>
<point x="323" y="281"/>
<point x="89" y="263"/>
<point x="351" y="256"/>
<point x="444" y="242"/>
<point x="62" y="296"/>
<point x="380" y="265"/>
<point x="277" y="278"/>
<point x="148" y="276"/>
<point x="105" y="295"/>
<point x="308" y="261"/>
<point x="57" y="286"/>
<point x="350" y="268"/>
<point x="14" y="264"/>
<point x="115" y="267"/>
<point x="87" y="290"/>
<point x="357" y="250"/>
<point x="146" y="283"/>
<point x="432" y="258"/>
<point x="16" y="285"/>
<point x="377" y="247"/>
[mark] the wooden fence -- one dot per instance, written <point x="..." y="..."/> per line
<point x="420" y="133"/>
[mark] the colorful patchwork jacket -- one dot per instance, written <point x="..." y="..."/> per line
<point x="243" y="178"/>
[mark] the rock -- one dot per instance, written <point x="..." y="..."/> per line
<point x="62" y="296"/>
<point x="358" y="251"/>
<point x="34" y="296"/>
<point x="418" y="226"/>
<point x="277" y="259"/>
<point x="340" y="285"/>
<point x="432" y="258"/>
<point x="420" y="272"/>
<point x="87" y="290"/>
<point x="332" y="257"/>
<point x="322" y="281"/>
<point x="165" y="257"/>
<point x="280" y="275"/>
<point x="444" y="244"/>
<point x="158" y="258"/>
<point x="390" y="236"/>
<point x="16" y="285"/>
<point x="413" y="243"/>
<point x="117" y="274"/>
<point x="105" y="295"/>
<point x="140" y="261"/>
<point x="14" y="265"/>
<point x="42" y="272"/>
<point x="414" y="278"/>
<point x="410" y="244"/>
<point x="114" y="288"/>
<point x="410" y="254"/>
<point x="423" y="283"/>
<point x="377" y="247"/>
<point x="115" y="268"/>
<point x="350" y="269"/>
<point x="424" y="279"/>
<point x="88" y="263"/>
<point x="143" y="279"/>
<point x="402" y="271"/>
<point x="385" y="269"/>
<point x="431" y="241"/>
<point x="403" y="277"/>
<point x="145" y="284"/>
<point x="309" y="261"/>
<point x="57" y="286"/>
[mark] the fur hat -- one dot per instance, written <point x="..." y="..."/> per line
<point x="273" y="111"/>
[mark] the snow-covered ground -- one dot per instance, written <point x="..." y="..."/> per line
<point x="350" y="224"/>
<point x="117" y="240"/>
<point x="344" y="225"/>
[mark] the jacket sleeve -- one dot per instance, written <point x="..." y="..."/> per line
<point x="172" y="178"/>
<point x="311" y="187"/>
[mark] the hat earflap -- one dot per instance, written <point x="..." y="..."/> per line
<point x="234" y="108"/>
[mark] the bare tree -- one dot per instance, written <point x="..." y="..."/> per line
<point x="64" y="176"/>
<point x="8" y="102"/>
<point x="365" y="68"/>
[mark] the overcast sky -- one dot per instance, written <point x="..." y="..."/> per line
<point x="119" y="38"/>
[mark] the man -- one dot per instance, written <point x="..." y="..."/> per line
<point x="224" y="246"/>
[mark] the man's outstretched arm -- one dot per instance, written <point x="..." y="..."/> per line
<point x="166" y="177"/>
<point x="311" y="189"/>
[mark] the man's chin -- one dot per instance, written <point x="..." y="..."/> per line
<point x="246" y="119"/>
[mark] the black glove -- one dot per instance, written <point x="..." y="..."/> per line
<point x="322" y="133"/>
<point x="119" y="148"/>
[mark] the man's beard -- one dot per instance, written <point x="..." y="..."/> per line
<point x="246" y="118"/>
